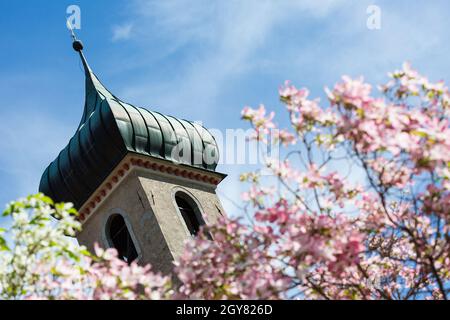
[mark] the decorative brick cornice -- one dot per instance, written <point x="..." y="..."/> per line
<point x="130" y="162"/>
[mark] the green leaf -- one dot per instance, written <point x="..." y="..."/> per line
<point x="47" y="200"/>
<point x="85" y="252"/>
<point x="73" y="211"/>
<point x="3" y="245"/>
<point x="423" y="162"/>
<point x="360" y="112"/>
<point x="8" y="211"/>
<point x="72" y="255"/>
<point x="419" y="133"/>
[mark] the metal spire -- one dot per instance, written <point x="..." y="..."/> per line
<point x="72" y="33"/>
<point x="94" y="87"/>
<point x="77" y="44"/>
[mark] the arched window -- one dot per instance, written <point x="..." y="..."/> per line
<point x="190" y="212"/>
<point x="120" y="238"/>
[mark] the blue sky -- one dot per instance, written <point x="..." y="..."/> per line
<point x="200" y="60"/>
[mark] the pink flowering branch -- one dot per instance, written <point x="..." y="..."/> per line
<point x="392" y="235"/>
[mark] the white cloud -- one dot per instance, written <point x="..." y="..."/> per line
<point x="226" y="35"/>
<point x="122" y="32"/>
<point x="344" y="45"/>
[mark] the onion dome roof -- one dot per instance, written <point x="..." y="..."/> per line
<point x="109" y="130"/>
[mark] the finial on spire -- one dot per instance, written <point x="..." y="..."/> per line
<point x="77" y="44"/>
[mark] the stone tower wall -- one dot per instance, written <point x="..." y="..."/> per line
<point x="146" y="200"/>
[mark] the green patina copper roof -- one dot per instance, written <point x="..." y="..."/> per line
<point x="109" y="130"/>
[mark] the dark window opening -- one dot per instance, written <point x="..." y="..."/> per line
<point x="191" y="214"/>
<point x="121" y="239"/>
<point x="188" y="215"/>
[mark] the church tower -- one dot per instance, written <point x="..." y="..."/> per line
<point x="143" y="182"/>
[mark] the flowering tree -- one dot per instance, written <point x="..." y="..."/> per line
<point x="359" y="208"/>
<point x="362" y="208"/>
<point x="41" y="262"/>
